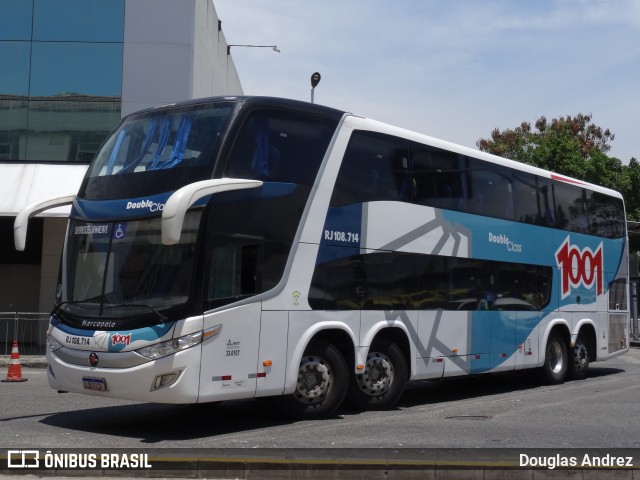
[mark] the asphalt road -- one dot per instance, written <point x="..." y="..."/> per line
<point x="504" y="411"/>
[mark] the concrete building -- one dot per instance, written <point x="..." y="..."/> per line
<point x="70" y="69"/>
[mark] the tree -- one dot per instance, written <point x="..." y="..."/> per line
<point x="569" y="145"/>
<point x="631" y="191"/>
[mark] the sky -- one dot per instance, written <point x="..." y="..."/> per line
<point x="451" y="69"/>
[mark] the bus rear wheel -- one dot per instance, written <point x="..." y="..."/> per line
<point x="382" y="383"/>
<point x="579" y="359"/>
<point x="321" y="385"/>
<point x="556" y="360"/>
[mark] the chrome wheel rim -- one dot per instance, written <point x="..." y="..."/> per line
<point x="580" y="356"/>
<point x="554" y="353"/>
<point x="378" y="375"/>
<point x="314" y="380"/>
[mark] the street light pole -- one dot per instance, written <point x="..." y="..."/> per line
<point x="272" y="47"/>
<point x="315" y="80"/>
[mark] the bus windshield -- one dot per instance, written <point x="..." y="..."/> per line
<point x="157" y="151"/>
<point x="121" y="269"/>
<point x="116" y="266"/>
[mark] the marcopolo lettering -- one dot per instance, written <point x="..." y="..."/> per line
<point x="98" y="323"/>
<point x="146" y="204"/>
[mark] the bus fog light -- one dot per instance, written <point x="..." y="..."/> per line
<point x="165" y="380"/>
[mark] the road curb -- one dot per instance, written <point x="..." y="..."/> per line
<point x="338" y="464"/>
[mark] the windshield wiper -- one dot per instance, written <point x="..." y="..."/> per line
<point x="70" y="302"/>
<point x="163" y="318"/>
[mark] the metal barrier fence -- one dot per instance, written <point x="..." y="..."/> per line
<point x="635" y="308"/>
<point x="28" y="328"/>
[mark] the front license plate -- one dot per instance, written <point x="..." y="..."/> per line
<point x="94" y="383"/>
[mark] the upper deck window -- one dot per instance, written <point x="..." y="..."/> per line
<point x="276" y="145"/>
<point x="162" y="140"/>
<point x="380" y="167"/>
<point x="180" y="140"/>
<point x="375" y="168"/>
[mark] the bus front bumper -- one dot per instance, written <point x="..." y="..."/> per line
<point x="171" y="379"/>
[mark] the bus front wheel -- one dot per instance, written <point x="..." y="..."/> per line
<point x="384" y="378"/>
<point x="321" y="385"/>
<point x="556" y="360"/>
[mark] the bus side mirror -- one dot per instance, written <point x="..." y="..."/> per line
<point x="21" y="223"/>
<point x="181" y="200"/>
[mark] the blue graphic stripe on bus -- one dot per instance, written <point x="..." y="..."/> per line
<point x="71" y="330"/>
<point x="582" y="271"/>
<point x="495" y="239"/>
<point x="496" y="336"/>
<point x="342" y="233"/>
<point x="151" y="205"/>
<point x="266" y="191"/>
<point x="276" y="189"/>
<point x="343" y="228"/>
<point x="147" y="333"/>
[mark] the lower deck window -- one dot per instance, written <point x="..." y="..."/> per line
<point x="407" y="281"/>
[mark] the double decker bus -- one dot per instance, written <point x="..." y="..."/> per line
<point x="243" y="247"/>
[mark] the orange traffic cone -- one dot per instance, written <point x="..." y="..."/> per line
<point x="15" y="369"/>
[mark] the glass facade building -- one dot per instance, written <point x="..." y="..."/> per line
<point x="69" y="70"/>
<point x="61" y="81"/>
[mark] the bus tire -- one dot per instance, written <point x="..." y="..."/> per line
<point x="321" y="385"/>
<point x="579" y="359"/>
<point x="384" y="378"/>
<point x="556" y="361"/>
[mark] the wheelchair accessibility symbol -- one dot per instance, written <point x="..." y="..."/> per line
<point x="120" y="231"/>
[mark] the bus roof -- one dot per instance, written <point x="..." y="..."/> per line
<point x="261" y="101"/>
<point x="363" y="123"/>
<point x="359" y="122"/>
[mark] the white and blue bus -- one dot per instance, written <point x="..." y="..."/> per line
<point x="245" y="247"/>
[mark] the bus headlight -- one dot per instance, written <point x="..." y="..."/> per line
<point x="159" y="350"/>
<point x="53" y="344"/>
